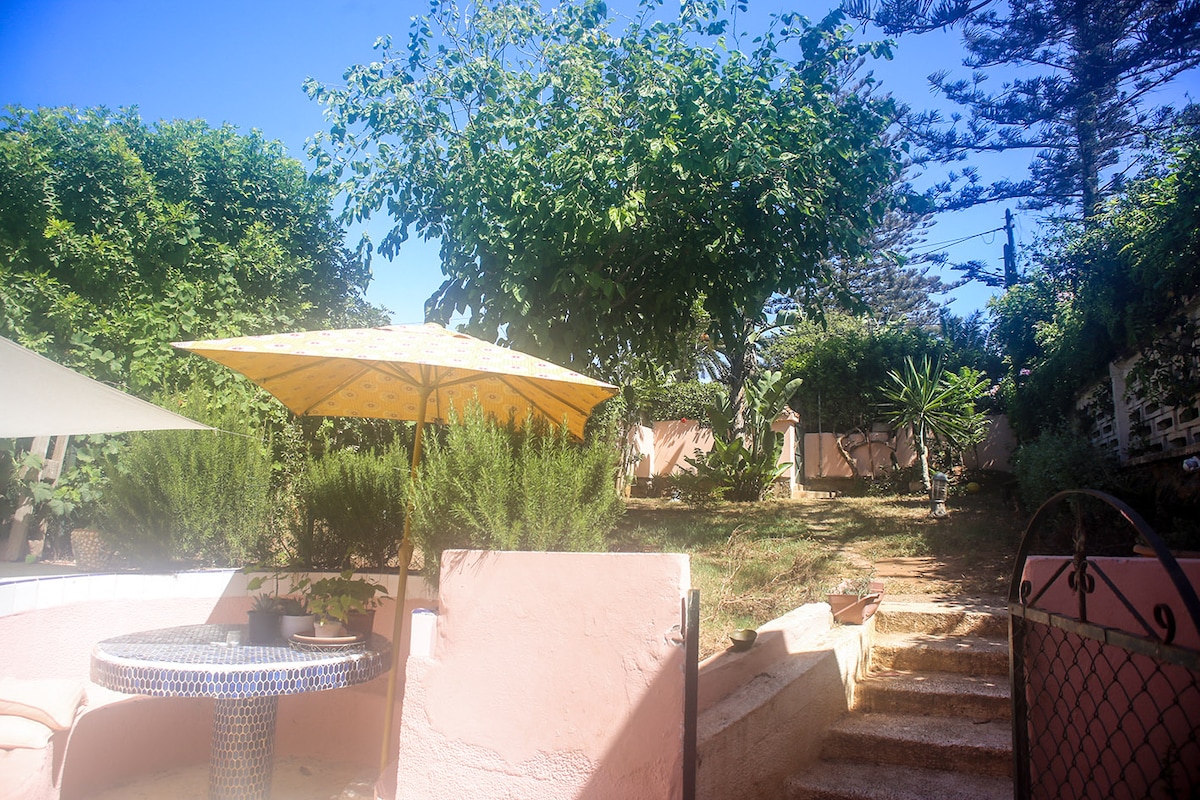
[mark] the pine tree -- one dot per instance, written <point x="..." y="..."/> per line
<point x="1083" y="103"/>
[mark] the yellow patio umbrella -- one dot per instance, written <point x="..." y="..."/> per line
<point x="417" y="373"/>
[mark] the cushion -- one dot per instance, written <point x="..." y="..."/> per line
<point x="22" y="733"/>
<point x="51" y="702"/>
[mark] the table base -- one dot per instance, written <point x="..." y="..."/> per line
<point x="243" y="748"/>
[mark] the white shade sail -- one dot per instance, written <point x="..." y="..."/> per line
<point x="41" y="398"/>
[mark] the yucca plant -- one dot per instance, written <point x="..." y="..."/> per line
<point x="936" y="404"/>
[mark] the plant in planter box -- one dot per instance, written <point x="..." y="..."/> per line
<point x="854" y="600"/>
<point x="344" y="601"/>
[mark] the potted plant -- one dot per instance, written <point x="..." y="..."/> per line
<point x="296" y="619"/>
<point x="264" y="619"/>
<point x="294" y="616"/>
<point x="854" y="600"/>
<point x="344" y="604"/>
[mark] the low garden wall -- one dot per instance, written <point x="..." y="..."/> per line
<point x="764" y="711"/>
<point x="552" y="675"/>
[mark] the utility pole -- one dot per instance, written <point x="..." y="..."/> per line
<point x="1010" y="252"/>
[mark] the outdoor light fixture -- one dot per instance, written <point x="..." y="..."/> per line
<point x="937" y="496"/>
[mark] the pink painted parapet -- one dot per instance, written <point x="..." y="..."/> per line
<point x="554" y="675"/>
<point x="1084" y="694"/>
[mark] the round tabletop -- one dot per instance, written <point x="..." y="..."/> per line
<point x="196" y="661"/>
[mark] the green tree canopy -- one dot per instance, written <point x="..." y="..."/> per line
<point x="589" y="187"/>
<point x="117" y="237"/>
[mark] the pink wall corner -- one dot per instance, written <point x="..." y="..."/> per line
<point x="553" y="676"/>
<point x="641" y="440"/>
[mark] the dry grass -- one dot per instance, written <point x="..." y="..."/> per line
<point x="754" y="562"/>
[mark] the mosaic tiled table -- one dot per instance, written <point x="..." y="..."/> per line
<point x="246" y="682"/>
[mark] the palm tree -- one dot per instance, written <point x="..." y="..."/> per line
<point x="935" y="403"/>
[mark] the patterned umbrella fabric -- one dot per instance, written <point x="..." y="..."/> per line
<point x="382" y="372"/>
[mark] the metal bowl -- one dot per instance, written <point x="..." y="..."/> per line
<point x="743" y="639"/>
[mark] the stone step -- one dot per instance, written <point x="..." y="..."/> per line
<point x="944" y="694"/>
<point x="925" y="652"/>
<point x="847" y="781"/>
<point x="983" y="617"/>
<point x="946" y="743"/>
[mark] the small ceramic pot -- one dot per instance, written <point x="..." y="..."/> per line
<point x="328" y="630"/>
<point x="291" y="624"/>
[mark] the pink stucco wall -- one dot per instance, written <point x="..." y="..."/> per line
<point x="1082" y="691"/>
<point x="996" y="450"/>
<point x="666" y="446"/>
<point x="676" y="440"/>
<point x="53" y="623"/>
<point x="553" y="675"/>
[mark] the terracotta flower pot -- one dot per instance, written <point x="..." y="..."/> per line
<point x="853" y="609"/>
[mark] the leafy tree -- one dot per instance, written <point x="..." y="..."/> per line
<point x="589" y="189"/>
<point x="935" y="404"/>
<point x="1081" y="103"/>
<point x="884" y="279"/>
<point x="117" y="238"/>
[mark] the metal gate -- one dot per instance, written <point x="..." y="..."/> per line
<point x="1105" y="657"/>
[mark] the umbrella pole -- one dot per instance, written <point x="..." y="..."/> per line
<point x="406" y="552"/>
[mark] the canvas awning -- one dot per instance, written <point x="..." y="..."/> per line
<point x="41" y="398"/>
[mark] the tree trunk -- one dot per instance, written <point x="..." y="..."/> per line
<point x="922" y="455"/>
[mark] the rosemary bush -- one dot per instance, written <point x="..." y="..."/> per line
<point x="489" y="487"/>
<point x="196" y="496"/>
<point x="354" y="505"/>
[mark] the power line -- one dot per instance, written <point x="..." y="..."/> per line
<point x="952" y="242"/>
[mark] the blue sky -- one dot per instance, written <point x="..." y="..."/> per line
<point x="244" y="63"/>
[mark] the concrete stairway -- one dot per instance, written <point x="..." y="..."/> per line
<point x="931" y="719"/>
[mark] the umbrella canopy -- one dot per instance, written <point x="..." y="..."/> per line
<point x="418" y="373"/>
<point x="42" y="398"/>
<point x="384" y="372"/>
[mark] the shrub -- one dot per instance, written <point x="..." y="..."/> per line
<point x="489" y="487"/>
<point x="353" y="507"/>
<point x="747" y="473"/>
<point x="1058" y="460"/>
<point x="200" y="496"/>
